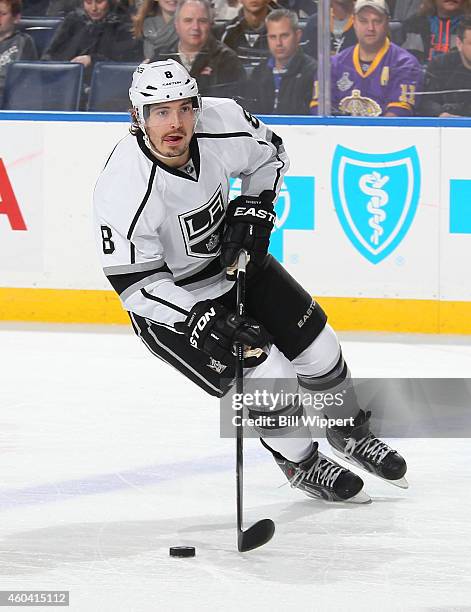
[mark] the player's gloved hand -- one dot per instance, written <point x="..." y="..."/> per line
<point x="249" y="223"/>
<point x="213" y="329"/>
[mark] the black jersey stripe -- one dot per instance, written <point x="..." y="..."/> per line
<point x="156" y="298"/>
<point x="114" y="149"/>
<point x="143" y="203"/>
<point x="122" y="282"/>
<point x="212" y="269"/>
<point x="227" y="135"/>
<point x="194" y="155"/>
<point x="278" y="143"/>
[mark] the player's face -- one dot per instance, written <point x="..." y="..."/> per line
<point x="193" y="25"/>
<point x="168" y="6"/>
<point x="96" y="9"/>
<point x="371" y="28"/>
<point x="464" y="47"/>
<point x="283" y="41"/>
<point x="170" y="126"/>
<point x="7" y="21"/>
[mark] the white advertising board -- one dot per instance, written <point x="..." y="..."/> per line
<point x="375" y="212"/>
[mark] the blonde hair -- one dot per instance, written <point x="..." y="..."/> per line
<point x="148" y="8"/>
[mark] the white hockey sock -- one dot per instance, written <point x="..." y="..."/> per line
<point x="294" y="449"/>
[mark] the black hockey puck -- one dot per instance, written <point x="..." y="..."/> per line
<point x="182" y="551"/>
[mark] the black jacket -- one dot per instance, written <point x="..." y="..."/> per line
<point x="348" y="38"/>
<point x="419" y="39"/>
<point x="109" y="39"/>
<point x="444" y="73"/>
<point x="217" y="69"/>
<point x="246" y="42"/>
<point x="296" y="89"/>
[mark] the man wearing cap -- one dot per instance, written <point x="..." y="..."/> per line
<point x="375" y="77"/>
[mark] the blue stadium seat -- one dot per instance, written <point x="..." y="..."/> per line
<point x="51" y="86"/>
<point x="110" y="86"/>
<point x="41" y="30"/>
<point x="39" y="22"/>
<point x="397" y="32"/>
<point x="41" y="37"/>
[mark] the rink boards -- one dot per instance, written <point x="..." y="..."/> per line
<point x="374" y="218"/>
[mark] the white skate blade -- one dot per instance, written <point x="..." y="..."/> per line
<point x="401" y="482"/>
<point x="360" y="498"/>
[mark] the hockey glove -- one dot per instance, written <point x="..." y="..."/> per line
<point x="211" y="328"/>
<point x="249" y="223"/>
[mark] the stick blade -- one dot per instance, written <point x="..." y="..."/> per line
<point x="257" y="535"/>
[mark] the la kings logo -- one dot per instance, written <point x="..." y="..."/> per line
<point x="216" y="365"/>
<point x="202" y="227"/>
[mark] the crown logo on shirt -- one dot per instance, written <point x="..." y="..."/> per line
<point x="357" y="105"/>
<point x="216" y="365"/>
<point x="212" y="242"/>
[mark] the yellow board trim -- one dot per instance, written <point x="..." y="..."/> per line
<point x="365" y="314"/>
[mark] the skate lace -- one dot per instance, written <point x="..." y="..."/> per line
<point x="326" y="473"/>
<point x="369" y="446"/>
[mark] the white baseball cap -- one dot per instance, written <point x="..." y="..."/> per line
<point x="379" y="5"/>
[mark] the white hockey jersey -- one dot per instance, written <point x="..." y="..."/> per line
<point x="158" y="229"/>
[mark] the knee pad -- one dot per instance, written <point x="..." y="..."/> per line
<point x="320" y="356"/>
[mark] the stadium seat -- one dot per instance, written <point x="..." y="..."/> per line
<point x="109" y="87"/>
<point x="39" y="22"/>
<point x="41" y="30"/>
<point x="41" y="37"/>
<point x="50" y="86"/>
<point x="397" y="32"/>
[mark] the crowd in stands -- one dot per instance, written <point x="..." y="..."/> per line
<point x="388" y="57"/>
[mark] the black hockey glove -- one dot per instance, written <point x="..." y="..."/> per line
<point x="249" y="222"/>
<point x="211" y="328"/>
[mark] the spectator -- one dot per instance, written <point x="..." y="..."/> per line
<point x="432" y="30"/>
<point x="342" y="33"/>
<point x="283" y="84"/>
<point x="61" y="7"/>
<point x="405" y="9"/>
<point x="96" y="32"/>
<point x="247" y="34"/>
<point x="216" y="68"/>
<point x="302" y="8"/>
<point x="451" y="73"/>
<point x="155" y="25"/>
<point x="14" y="45"/>
<point x="225" y="9"/>
<point x="376" y="77"/>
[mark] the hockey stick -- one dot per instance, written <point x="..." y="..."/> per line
<point x="261" y="531"/>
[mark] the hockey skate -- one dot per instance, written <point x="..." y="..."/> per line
<point x="361" y="448"/>
<point x="320" y="477"/>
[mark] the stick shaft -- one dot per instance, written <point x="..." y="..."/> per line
<point x="239" y="373"/>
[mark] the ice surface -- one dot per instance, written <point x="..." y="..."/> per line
<point x="108" y="457"/>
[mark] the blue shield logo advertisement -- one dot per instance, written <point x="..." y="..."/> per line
<point x="294" y="209"/>
<point x="375" y="197"/>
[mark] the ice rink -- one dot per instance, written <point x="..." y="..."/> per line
<point x="108" y="457"/>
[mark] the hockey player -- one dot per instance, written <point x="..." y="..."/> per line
<point x="167" y="236"/>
